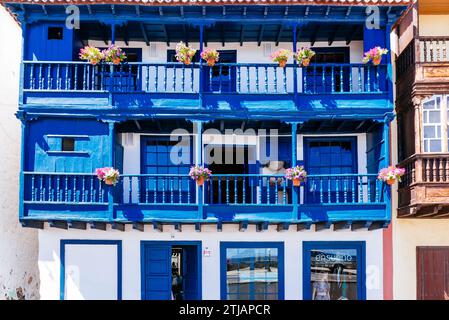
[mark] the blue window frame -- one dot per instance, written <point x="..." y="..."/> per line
<point x="155" y="159"/>
<point x="117" y="243"/>
<point x="334" y="270"/>
<point x="252" y="270"/>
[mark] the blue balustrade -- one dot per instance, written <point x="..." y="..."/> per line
<point x="221" y="189"/>
<point x="243" y="78"/>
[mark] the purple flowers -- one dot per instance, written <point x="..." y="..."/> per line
<point x="108" y="175"/>
<point x="296" y="173"/>
<point x="391" y="174"/>
<point x="113" y="54"/>
<point x="199" y="172"/>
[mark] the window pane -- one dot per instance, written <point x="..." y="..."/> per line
<point x="435" y="146"/>
<point x="334" y="274"/>
<point x="432" y="129"/>
<point x="252" y="273"/>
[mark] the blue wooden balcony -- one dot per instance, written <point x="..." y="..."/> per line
<point x="229" y="89"/>
<point x="250" y="198"/>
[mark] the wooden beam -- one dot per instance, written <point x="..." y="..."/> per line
<point x="198" y="227"/>
<point x="333" y="35"/>
<point x="219" y="226"/>
<point x="357" y="225"/>
<point x="58" y="224"/>
<point x="113" y="9"/>
<point x="282" y="227"/>
<point x="158" y="226"/>
<point x="278" y="36"/>
<point x="314" y="35"/>
<point x="259" y="38"/>
<point x="354" y="31"/>
<point x="136" y="122"/>
<point x="144" y="33"/>
<point x="178" y="227"/>
<point x="103" y="32"/>
<point x="342" y="225"/>
<point x="44" y="10"/>
<point x="242" y="31"/>
<point x="361" y="124"/>
<point x="137" y="10"/>
<point x="139" y="226"/>
<point x="81" y="225"/>
<point x="98" y="225"/>
<point x="243" y="226"/>
<point x="222" y="31"/>
<point x="118" y="226"/>
<point x="325" y="225"/>
<point x="263" y="226"/>
<point x="89" y="9"/>
<point x="378" y="225"/>
<point x="303" y="226"/>
<point x="32" y="224"/>
<point x="125" y="33"/>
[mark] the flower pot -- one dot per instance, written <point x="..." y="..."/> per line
<point x="305" y="62"/>
<point x="377" y="61"/>
<point x="282" y="63"/>
<point x="116" y="61"/>
<point x="109" y="181"/>
<point x="187" y="61"/>
<point x="94" y="62"/>
<point x="200" y="181"/>
<point x="296" y="182"/>
<point x="211" y="62"/>
<point x="391" y="182"/>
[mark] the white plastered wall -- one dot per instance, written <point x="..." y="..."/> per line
<point x="49" y="259"/>
<point x="18" y="246"/>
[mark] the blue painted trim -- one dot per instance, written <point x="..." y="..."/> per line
<point x="238" y="245"/>
<point x="117" y="243"/>
<point x="198" y="244"/>
<point x="360" y="246"/>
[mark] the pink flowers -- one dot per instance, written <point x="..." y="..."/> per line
<point x="281" y="56"/>
<point x="108" y="175"/>
<point x="113" y="54"/>
<point x="200" y="174"/>
<point x="210" y="56"/>
<point x="304" y="55"/>
<point x="391" y="174"/>
<point x="375" y="55"/>
<point x="297" y="174"/>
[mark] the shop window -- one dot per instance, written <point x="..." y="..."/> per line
<point x="252" y="271"/>
<point x="334" y="270"/>
<point x="55" y="33"/>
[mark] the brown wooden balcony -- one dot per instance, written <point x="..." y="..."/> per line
<point x="424" y="190"/>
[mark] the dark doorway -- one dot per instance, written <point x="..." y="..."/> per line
<point x="232" y="183"/>
<point x="221" y="78"/>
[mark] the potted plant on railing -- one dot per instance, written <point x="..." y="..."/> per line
<point x="281" y="57"/>
<point x="184" y="53"/>
<point x="108" y="175"/>
<point x="375" y="55"/>
<point x="92" y="54"/>
<point x="304" y="55"/>
<point x="200" y="174"/>
<point x="211" y="56"/>
<point x="296" y="174"/>
<point x="114" y="55"/>
<point x="391" y="174"/>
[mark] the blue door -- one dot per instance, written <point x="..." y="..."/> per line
<point x="157" y="280"/>
<point x="171" y="270"/>
<point x="330" y="158"/>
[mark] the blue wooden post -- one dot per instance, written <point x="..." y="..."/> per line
<point x="389" y="84"/>
<point x="295" y="70"/>
<point x="198" y="129"/>
<point x="113" y="33"/>
<point x="23" y="149"/>
<point x="111" y="164"/>
<point x="387" y="160"/>
<point x="201" y="82"/>
<point x="295" y="191"/>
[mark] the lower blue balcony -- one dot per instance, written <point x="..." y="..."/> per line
<point x="251" y="198"/>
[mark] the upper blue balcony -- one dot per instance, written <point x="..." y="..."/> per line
<point x="245" y="84"/>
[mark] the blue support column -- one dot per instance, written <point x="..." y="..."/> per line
<point x="389" y="63"/>
<point x="387" y="161"/>
<point x="113" y="33"/>
<point x="23" y="154"/>
<point x="111" y="125"/>
<point x="296" y="190"/>
<point x="295" y="70"/>
<point x="198" y="130"/>
<point x="201" y="75"/>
